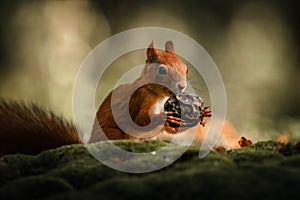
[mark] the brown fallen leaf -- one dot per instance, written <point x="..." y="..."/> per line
<point x="243" y="142"/>
<point x="220" y="149"/>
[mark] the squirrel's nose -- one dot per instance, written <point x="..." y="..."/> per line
<point x="181" y="85"/>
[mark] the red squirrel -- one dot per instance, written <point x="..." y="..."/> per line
<point x="31" y="129"/>
<point x="164" y="74"/>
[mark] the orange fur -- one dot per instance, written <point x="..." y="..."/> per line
<point x="145" y="96"/>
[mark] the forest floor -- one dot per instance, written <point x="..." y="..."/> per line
<point x="264" y="170"/>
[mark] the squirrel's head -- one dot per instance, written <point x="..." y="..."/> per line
<point x="165" y="68"/>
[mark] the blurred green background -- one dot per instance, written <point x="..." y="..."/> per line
<point x="255" y="44"/>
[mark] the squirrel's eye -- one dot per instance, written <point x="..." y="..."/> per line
<point x="187" y="70"/>
<point x="162" y="70"/>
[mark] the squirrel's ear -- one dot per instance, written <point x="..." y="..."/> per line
<point x="169" y="47"/>
<point x="151" y="52"/>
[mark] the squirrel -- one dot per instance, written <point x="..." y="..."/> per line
<point x="163" y="75"/>
<point x="31" y="129"/>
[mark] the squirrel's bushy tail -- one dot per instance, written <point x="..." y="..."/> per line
<point x="32" y="129"/>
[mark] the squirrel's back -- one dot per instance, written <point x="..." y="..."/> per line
<point x="31" y="129"/>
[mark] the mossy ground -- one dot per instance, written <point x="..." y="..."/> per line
<point x="265" y="170"/>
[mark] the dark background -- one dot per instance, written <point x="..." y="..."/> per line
<point x="255" y="44"/>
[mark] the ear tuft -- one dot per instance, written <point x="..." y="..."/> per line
<point x="152" y="52"/>
<point x="169" y="47"/>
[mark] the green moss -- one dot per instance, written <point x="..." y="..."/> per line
<point x="83" y="173"/>
<point x="265" y="145"/>
<point x="131" y="146"/>
<point x="259" y="156"/>
<point x="293" y="161"/>
<point x="262" y="171"/>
